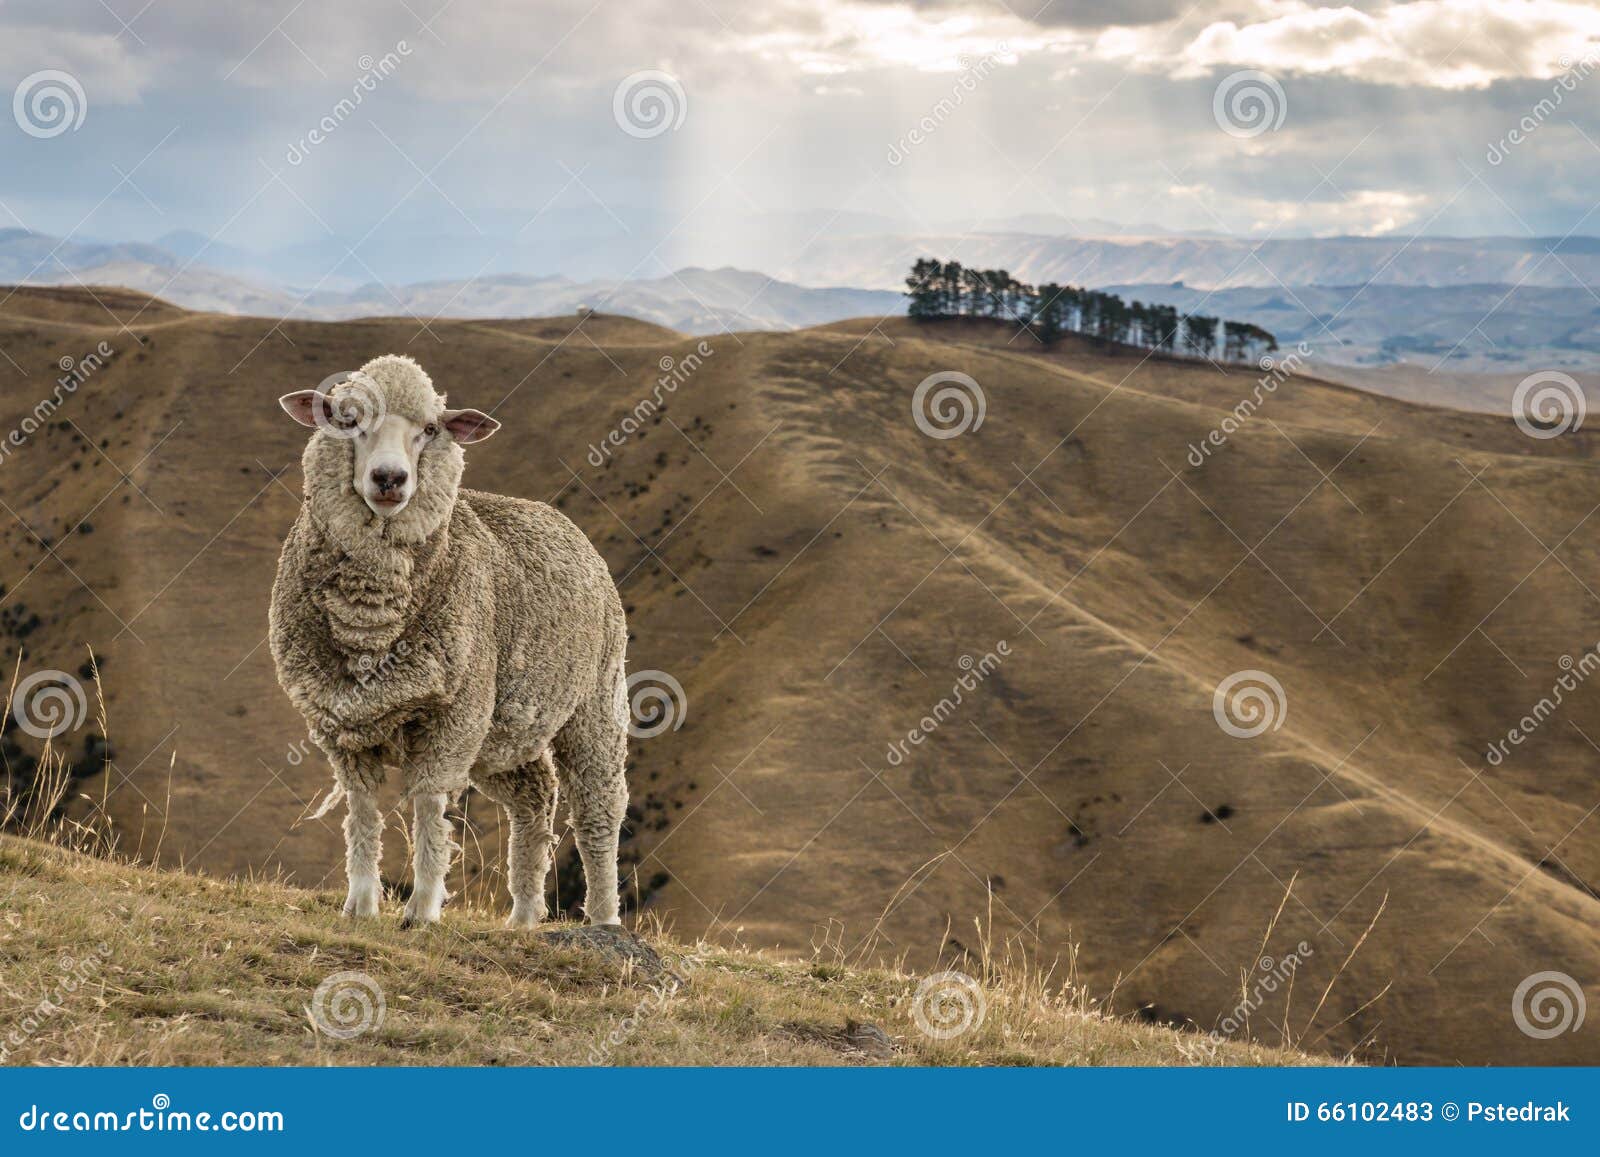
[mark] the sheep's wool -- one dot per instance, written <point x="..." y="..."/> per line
<point x="463" y="635"/>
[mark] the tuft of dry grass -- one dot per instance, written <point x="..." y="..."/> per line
<point x="42" y="809"/>
<point x="107" y="962"/>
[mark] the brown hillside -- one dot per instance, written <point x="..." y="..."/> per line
<point x="812" y="568"/>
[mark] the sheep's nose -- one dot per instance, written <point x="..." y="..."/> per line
<point x="386" y="478"/>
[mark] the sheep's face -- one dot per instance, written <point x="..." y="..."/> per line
<point x="386" y="447"/>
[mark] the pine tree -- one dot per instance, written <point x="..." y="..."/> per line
<point x="1045" y="313"/>
<point x="1233" y="339"/>
<point x="951" y="279"/>
<point x="1165" y="320"/>
<point x="1200" y="335"/>
<point x="923" y="290"/>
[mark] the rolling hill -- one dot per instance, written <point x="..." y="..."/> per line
<point x="925" y="679"/>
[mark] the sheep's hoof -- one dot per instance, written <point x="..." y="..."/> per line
<point x="417" y="916"/>
<point x="525" y="914"/>
<point x="424" y="907"/>
<point x="362" y="902"/>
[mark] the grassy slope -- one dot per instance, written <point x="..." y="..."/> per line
<point x="201" y="971"/>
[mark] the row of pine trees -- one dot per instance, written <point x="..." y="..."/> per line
<point x="942" y="289"/>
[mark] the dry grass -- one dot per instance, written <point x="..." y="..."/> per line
<point x="112" y="963"/>
<point x="44" y="809"/>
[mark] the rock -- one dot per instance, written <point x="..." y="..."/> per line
<point x="609" y="940"/>
<point x="869" y="1038"/>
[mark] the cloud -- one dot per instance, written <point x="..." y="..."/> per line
<point x="110" y="71"/>
<point x="1446" y="44"/>
<point x="508" y="106"/>
<point x="850" y="37"/>
<point x="1366" y="212"/>
<point x="1052" y="13"/>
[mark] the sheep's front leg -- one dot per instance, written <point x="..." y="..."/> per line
<point x="431" y="859"/>
<point x="363" y="843"/>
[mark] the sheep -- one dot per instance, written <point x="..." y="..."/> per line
<point x="455" y="636"/>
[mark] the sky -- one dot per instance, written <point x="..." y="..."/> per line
<point x="269" y="123"/>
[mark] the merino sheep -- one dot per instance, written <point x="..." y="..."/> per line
<point x="455" y="636"/>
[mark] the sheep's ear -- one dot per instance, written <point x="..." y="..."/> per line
<point x="468" y="426"/>
<point x="302" y="406"/>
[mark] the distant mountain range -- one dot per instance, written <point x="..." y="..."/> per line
<point x="690" y="300"/>
<point x="1453" y="304"/>
<point x="1475" y="327"/>
<point x="1213" y="263"/>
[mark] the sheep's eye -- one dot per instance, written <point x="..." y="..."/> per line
<point x="430" y="431"/>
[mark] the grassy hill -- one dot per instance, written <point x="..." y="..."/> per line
<point x="817" y="573"/>
<point x="175" y="969"/>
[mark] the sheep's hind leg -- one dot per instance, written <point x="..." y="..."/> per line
<point x="591" y="755"/>
<point x="531" y="815"/>
<point x="363" y="843"/>
<point x="430" y="860"/>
